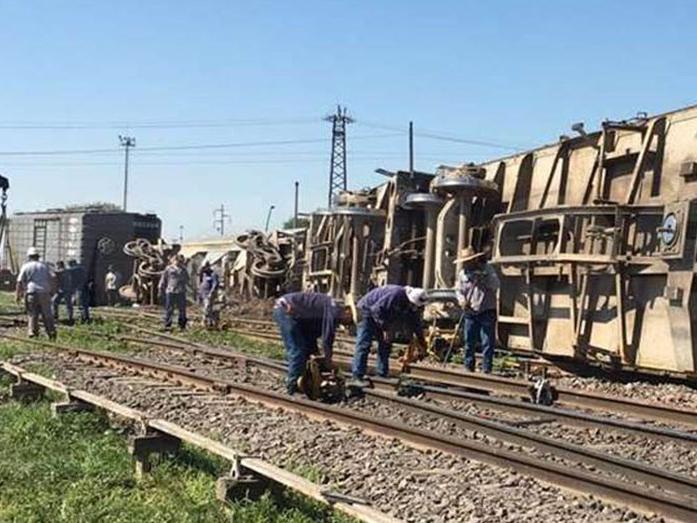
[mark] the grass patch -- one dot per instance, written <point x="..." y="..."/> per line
<point x="9" y="348"/>
<point x="235" y="342"/>
<point x="93" y="335"/>
<point x="76" y="468"/>
<point x="7" y="302"/>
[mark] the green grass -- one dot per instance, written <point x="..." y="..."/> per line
<point x="7" y="302"/>
<point x="93" y="336"/>
<point x="8" y="349"/>
<point x="235" y="342"/>
<point x="86" y="336"/>
<point x="77" y="469"/>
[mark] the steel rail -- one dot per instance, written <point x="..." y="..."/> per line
<point x="582" y="399"/>
<point x="541" y="412"/>
<point x="615" y="490"/>
<point x="355" y="508"/>
<point x="571" y="417"/>
<point x="520" y="388"/>
<point x="637" y="471"/>
<point x="268" y="333"/>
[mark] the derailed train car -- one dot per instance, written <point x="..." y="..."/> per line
<point x="593" y="236"/>
<point x="596" y="246"/>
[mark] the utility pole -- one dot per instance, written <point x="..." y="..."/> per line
<point x="295" y="213"/>
<point x="181" y="233"/>
<point x="268" y="217"/>
<point x="126" y="142"/>
<point x="219" y="219"/>
<point x="411" y="149"/>
<point x="337" y="166"/>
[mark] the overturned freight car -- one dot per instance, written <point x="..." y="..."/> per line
<point x="596" y="244"/>
<point x="593" y="236"/>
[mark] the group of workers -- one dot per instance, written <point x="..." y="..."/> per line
<point x="305" y="317"/>
<point x="302" y="317"/>
<point x="43" y="289"/>
<point x="173" y="284"/>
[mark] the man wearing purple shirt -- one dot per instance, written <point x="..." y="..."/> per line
<point x="384" y="311"/>
<point x="302" y="317"/>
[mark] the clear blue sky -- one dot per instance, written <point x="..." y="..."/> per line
<point x="515" y="73"/>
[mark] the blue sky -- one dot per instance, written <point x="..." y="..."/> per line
<point x="75" y="75"/>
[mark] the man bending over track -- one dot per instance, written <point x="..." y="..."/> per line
<point x="385" y="311"/>
<point x="302" y="317"/>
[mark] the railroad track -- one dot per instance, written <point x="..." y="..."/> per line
<point x="266" y="330"/>
<point x="529" y="410"/>
<point x="241" y="464"/>
<point x="432" y="380"/>
<point x="678" y="503"/>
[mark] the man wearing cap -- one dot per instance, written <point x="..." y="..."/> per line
<point x="384" y="311"/>
<point x="34" y="284"/>
<point x="172" y="286"/>
<point x="476" y="289"/>
<point x="302" y="317"/>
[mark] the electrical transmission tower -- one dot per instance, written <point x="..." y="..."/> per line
<point x="337" y="167"/>
<point x="219" y="221"/>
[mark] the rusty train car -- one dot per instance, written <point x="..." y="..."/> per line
<point x="593" y="237"/>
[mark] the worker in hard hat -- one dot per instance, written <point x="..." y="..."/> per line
<point x="383" y="312"/>
<point x="34" y="284"/>
<point x="477" y="284"/>
<point x="303" y="318"/>
<point x="173" y="283"/>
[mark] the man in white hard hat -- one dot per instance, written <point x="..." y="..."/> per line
<point x="476" y="289"/>
<point x="34" y="284"/>
<point x="383" y="311"/>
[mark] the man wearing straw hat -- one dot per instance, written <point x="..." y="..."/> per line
<point x="476" y="289"/>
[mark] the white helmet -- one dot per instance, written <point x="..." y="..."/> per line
<point x="32" y="251"/>
<point x="416" y="295"/>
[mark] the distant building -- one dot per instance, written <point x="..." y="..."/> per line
<point x="94" y="236"/>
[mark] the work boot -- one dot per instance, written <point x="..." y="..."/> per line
<point x="358" y="382"/>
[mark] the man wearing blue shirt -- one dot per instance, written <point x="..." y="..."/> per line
<point x="302" y="318"/>
<point x="384" y="311"/>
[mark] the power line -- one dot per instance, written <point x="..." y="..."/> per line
<point x="443" y="136"/>
<point x="166" y="124"/>
<point x="440" y="158"/>
<point x="241" y="122"/>
<point x="189" y="147"/>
